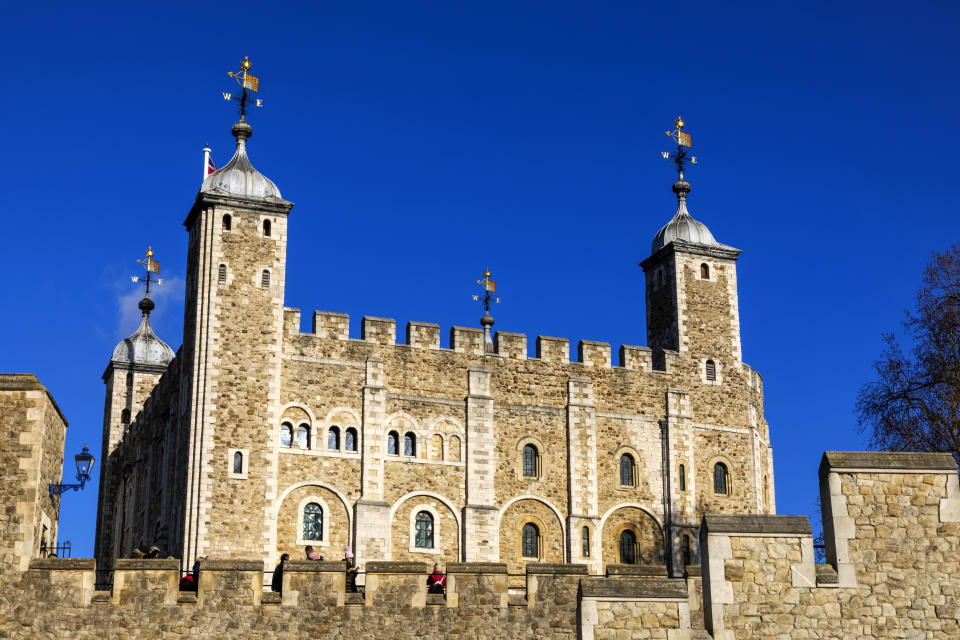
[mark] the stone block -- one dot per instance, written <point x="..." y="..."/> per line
<point x="467" y="340"/>
<point x="327" y="324"/>
<point x="423" y="335"/>
<point x="379" y="330"/>
<point x="553" y="350"/>
<point x="638" y="358"/>
<point x="510" y="345"/>
<point x="594" y="354"/>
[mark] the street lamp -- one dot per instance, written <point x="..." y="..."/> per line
<point x="85" y="462"/>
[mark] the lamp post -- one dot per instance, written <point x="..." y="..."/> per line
<point x="85" y="462"/>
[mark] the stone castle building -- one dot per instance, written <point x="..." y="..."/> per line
<point x="255" y="439"/>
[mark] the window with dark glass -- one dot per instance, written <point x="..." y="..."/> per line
<point x="286" y="434"/>
<point x="531" y="541"/>
<point x="266" y="228"/>
<point x="424" y="531"/>
<point x="265" y="279"/>
<point x="303" y="436"/>
<point x="222" y="273"/>
<point x="720" y="478"/>
<point x="237" y="462"/>
<point x="705" y="271"/>
<point x="350" y="439"/>
<point x="313" y="522"/>
<point x="685" y="549"/>
<point x="628" y="547"/>
<point x="333" y="438"/>
<point x="683" y="478"/>
<point x="585" y="537"/>
<point x="226" y="222"/>
<point x="711" y="370"/>
<point x="409" y="444"/>
<point x="393" y="443"/>
<point x="530" y="461"/>
<point x="627" y="475"/>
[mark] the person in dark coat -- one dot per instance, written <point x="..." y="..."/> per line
<point x="351" y="570"/>
<point x="277" y="583"/>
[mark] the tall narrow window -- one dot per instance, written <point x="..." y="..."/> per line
<point x="683" y="478"/>
<point x="333" y="438"/>
<point x="266" y="228"/>
<point x="530" y="543"/>
<point x="685" y="549"/>
<point x="265" y="279"/>
<point x="303" y="436"/>
<point x="226" y="222"/>
<point x="409" y="444"/>
<point x="350" y="440"/>
<point x="238" y="462"/>
<point x="393" y="443"/>
<point x="286" y="434"/>
<point x="585" y="538"/>
<point x="705" y="271"/>
<point x="222" y="273"/>
<point x="720" y="478"/>
<point x="628" y="476"/>
<point x="530" y="462"/>
<point x="424" y="532"/>
<point x="453" y="449"/>
<point x="711" y="370"/>
<point x="313" y="522"/>
<point x="628" y="547"/>
<point x="125" y="416"/>
<point x="436" y="447"/>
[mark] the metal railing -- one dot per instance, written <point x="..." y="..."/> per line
<point x="62" y="550"/>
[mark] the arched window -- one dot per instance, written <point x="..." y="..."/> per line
<point x="705" y="271"/>
<point x="683" y="478"/>
<point x="393" y="443"/>
<point x="266" y="228"/>
<point x="453" y="449"/>
<point x="237" y="462"/>
<point x="436" y="447"/>
<point x="628" y="476"/>
<point x="313" y="522"/>
<point x="711" y="370"/>
<point x="424" y="537"/>
<point x="531" y="461"/>
<point x="226" y="222"/>
<point x="530" y="543"/>
<point x="585" y="538"/>
<point x="409" y="444"/>
<point x="333" y="438"/>
<point x="222" y="273"/>
<point x="628" y="547"/>
<point x="303" y="436"/>
<point x="350" y="440"/>
<point x="125" y="416"/>
<point x="720" y="478"/>
<point x="685" y="549"/>
<point x="265" y="279"/>
<point x="286" y="435"/>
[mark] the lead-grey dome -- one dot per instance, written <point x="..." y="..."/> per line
<point x="682" y="226"/>
<point x="238" y="177"/>
<point x="143" y="347"/>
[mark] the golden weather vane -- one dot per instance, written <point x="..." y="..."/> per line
<point x="150" y="266"/>
<point x="248" y="82"/>
<point x="680" y="157"/>
<point x="489" y="286"/>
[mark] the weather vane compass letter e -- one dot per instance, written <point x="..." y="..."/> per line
<point x="247" y="84"/>
<point x="151" y="266"/>
<point x="489" y="287"/>
<point x="681" y="156"/>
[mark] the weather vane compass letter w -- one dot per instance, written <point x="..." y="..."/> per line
<point x="681" y="157"/>
<point x="248" y="83"/>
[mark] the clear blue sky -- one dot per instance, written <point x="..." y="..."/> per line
<point x="424" y="141"/>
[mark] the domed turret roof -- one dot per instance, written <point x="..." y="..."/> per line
<point x="683" y="226"/>
<point x="143" y="347"/>
<point x="238" y="177"/>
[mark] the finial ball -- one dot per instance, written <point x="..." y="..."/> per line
<point x="149" y="252"/>
<point x="679" y="122"/>
<point x="246" y="63"/>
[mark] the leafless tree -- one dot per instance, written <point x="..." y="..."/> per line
<point x="914" y="402"/>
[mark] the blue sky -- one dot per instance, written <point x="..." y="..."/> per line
<point x="424" y="141"/>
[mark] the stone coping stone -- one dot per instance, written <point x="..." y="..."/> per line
<point x="63" y="564"/>
<point x="757" y="525"/>
<point x="592" y="343"/>
<point x="477" y="567"/>
<point x="415" y="323"/>
<point x="330" y="313"/>
<point x="550" y="568"/>
<point x="466" y="329"/>
<point x="315" y="566"/>
<point x="638" y="588"/>
<point x="693" y="571"/>
<point x="379" y="319"/>
<point x="20" y="382"/>
<point x="837" y="461"/>
<point x="146" y="564"/>
<point x="270" y="597"/>
<point x="232" y="565"/>
<point x="382" y="566"/>
<point x="637" y="570"/>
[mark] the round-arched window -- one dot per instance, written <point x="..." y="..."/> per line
<point x="303" y="436"/>
<point x="333" y="438"/>
<point x="530" y="543"/>
<point x="720" y="478"/>
<point x="313" y="522"/>
<point x="628" y="547"/>
<point x="530" y="461"/>
<point x="393" y="443"/>
<point x="424" y="531"/>
<point x="237" y="462"/>
<point x="409" y="444"/>
<point x="350" y="439"/>
<point x="628" y="476"/>
<point x="286" y="434"/>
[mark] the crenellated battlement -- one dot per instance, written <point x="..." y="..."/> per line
<point x="469" y="340"/>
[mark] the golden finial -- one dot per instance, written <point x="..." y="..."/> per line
<point x="149" y="252"/>
<point x="678" y="122"/>
<point x="246" y="63"/>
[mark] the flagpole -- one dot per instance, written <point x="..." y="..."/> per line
<point x="206" y="163"/>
